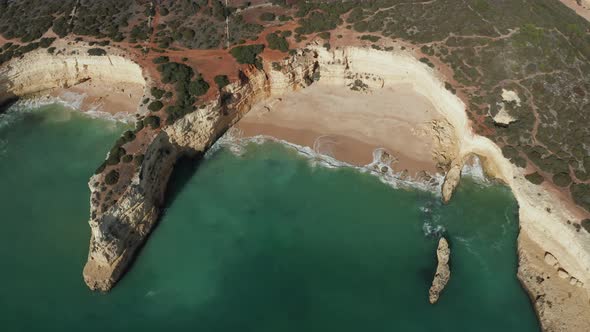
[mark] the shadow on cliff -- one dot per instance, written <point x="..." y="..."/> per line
<point x="184" y="169"/>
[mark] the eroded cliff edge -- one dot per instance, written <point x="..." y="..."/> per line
<point x="40" y="72"/>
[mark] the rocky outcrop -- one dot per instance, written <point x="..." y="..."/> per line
<point x="560" y="305"/>
<point x="443" y="272"/>
<point x="117" y="233"/>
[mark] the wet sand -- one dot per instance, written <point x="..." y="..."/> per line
<point x="112" y="99"/>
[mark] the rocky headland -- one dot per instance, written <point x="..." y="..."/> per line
<point x="443" y="272"/>
<point x="121" y="223"/>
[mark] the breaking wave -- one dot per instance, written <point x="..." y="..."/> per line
<point x="70" y="100"/>
<point x="379" y="167"/>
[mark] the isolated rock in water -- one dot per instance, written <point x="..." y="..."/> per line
<point x="443" y="273"/>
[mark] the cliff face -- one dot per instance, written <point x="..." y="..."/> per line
<point x="117" y="233"/>
<point x="40" y="71"/>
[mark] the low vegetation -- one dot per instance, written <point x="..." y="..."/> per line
<point x="248" y="54"/>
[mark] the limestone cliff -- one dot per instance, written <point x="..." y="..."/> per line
<point x="443" y="272"/>
<point x="40" y="71"/>
<point x="118" y="232"/>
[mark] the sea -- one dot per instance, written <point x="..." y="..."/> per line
<point x="263" y="240"/>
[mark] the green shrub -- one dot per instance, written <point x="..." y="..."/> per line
<point x="128" y="136"/>
<point x="46" y="42"/>
<point x="276" y="42"/>
<point x="371" y="38"/>
<point x="221" y="81"/>
<point x="97" y="51"/>
<point x="157" y="93"/>
<point x="562" y="179"/>
<point x="427" y="61"/>
<point x="115" y="155"/>
<point x="535" y="178"/>
<point x="127" y="158"/>
<point x="153" y="121"/>
<point x="111" y="178"/>
<point x="318" y="22"/>
<point x="161" y="59"/>
<point x="139" y="125"/>
<point x="199" y="87"/>
<point x="586" y="225"/>
<point x="173" y="72"/>
<point x="581" y="194"/>
<point x="155" y="106"/>
<point x="247" y="54"/>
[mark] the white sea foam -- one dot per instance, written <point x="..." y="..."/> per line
<point x="379" y="167"/>
<point x="474" y="170"/>
<point x="69" y="100"/>
<point x="432" y="230"/>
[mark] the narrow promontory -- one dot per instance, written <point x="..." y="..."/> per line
<point x="443" y="272"/>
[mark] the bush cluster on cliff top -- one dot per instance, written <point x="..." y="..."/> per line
<point x="276" y="42"/>
<point x="155" y="106"/>
<point x="97" y="51"/>
<point x="221" y="81"/>
<point x="247" y="54"/>
<point x="161" y="59"/>
<point x="535" y="178"/>
<point x="153" y="121"/>
<point x="186" y="88"/>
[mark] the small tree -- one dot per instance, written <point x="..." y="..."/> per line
<point x="199" y="87"/>
<point x="161" y="59"/>
<point x="155" y="106"/>
<point x="152" y="121"/>
<point x="247" y="54"/>
<point x="221" y="81"/>
<point x="112" y="177"/>
<point x="97" y="52"/>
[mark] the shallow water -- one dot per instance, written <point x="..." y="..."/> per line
<point x="258" y="242"/>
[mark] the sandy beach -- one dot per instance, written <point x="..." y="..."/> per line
<point x="97" y="96"/>
<point x="349" y="125"/>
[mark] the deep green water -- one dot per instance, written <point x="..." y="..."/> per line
<point x="260" y="242"/>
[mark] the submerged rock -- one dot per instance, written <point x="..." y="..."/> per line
<point x="443" y="273"/>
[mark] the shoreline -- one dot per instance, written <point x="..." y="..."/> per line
<point x="379" y="167"/>
<point x="35" y="102"/>
<point x="334" y="119"/>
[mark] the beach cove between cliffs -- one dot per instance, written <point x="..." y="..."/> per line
<point x="430" y="147"/>
<point x="306" y="247"/>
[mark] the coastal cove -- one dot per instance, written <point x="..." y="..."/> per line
<point x="256" y="241"/>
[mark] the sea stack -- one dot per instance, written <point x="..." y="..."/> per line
<point x="443" y="273"/>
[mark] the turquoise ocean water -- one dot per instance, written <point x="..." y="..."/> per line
<point x="257" y="242"/>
